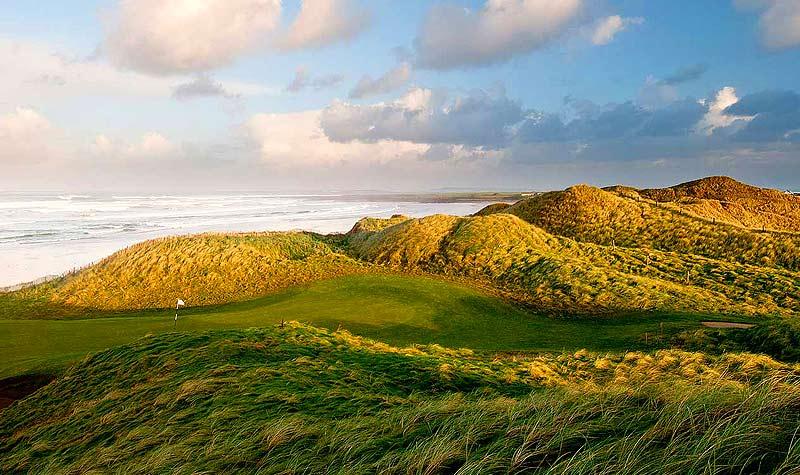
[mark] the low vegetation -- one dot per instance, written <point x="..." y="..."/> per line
<point x="397" y="309"/>
<point x="777" y="339"/>
<point x="302" y="400"/>
<point x="727" y="200"/>
<point x="204" y="269"/>
<point x="624" y="218"/>
<point x="559" y="275"/>
<point x="603" y="368"/>
<point x="589" y="252"/>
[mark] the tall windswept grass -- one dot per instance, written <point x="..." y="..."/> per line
<point x="626" y="219"/>
<point x="302" y="400"/>
<point x="558" y="274"/>
<point x="578" y="251"/>
<point x="204" y="269"/>
<point x="727" y="200"/>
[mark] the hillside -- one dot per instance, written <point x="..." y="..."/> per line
<point x="622" y="218"/>
<point x="557" y="274"/>
<point x="203" y="270"/>
<point x="727" y="200"/>
<point x="501" y="253"/>
<point x="579" y="251"/>
<point x="302" y="400"/>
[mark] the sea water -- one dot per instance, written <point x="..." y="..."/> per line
<point x="45" y="234"/>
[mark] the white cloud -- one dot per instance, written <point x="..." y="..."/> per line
<point x="779" y="23"/>
<point x="303" y="80"/>
<point x="42" y="73"/>
<point x="391" y="80"/>
<point x="296" y="139"/>
<point x="322" y="22"/>
<point x="151" y="145"/>
<point x="26" y="137"/>
<point x="716" y="118"/>
<point x="453" y="37"/>
<point x="180" y="36"/>
<point x="426" y="116"/>
<point x="607" y="28"/>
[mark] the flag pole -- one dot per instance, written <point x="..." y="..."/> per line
<point x="178" y="305"/>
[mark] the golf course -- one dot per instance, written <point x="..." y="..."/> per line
<point x="397" y="309"/>
<point x="569" y="331"/>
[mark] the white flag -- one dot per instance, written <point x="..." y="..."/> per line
<point x="180" y="303"/>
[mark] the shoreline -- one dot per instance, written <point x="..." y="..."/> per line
<point x="29" y="264"/>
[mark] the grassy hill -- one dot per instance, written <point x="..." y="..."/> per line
<point x="302" y="400"/>
<point x="397" y="309"/>
<point x="624" y="218"/>
<point x="557" y="274"/>
<point x="203" y="269"/>
<point x="499" y="252"/>
<point x="725" y="199"/>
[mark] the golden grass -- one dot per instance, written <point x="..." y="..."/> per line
<point x="558" y="274"/>
<point x="726" y="200"/>
<point x="623" y="218"/>
<point x="203" y="269"/>
<point x="587" y="251"/>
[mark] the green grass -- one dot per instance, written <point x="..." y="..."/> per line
<point x="397" y="309"/>
<point x="303" y="400"/>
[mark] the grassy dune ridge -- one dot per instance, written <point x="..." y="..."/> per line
<point x="304" y="400"/>
<point x="589" y="214"/>
<point x="628" y="274"/>
<point x="725" y="199"/>
<point x="205" y="269"/>
<point x="583" y="251"/>
<point x="554" y="273"/>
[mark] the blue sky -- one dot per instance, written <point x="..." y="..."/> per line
<point x="473" y="94"/>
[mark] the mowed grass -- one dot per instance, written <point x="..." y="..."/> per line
<point x="400" y="310"/>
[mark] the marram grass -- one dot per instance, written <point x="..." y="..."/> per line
<point x="303" y="400"/>
<point x="500" y="253"/>
<point x="589" y="214"/>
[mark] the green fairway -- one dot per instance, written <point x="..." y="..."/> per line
<point x="397" y="309"/>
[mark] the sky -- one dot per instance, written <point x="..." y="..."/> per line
<point x="383" y="95"/>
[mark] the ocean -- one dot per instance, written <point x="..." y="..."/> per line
<point x="49" y="234"/>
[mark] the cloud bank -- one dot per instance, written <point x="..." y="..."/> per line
<point x="779" y="21"/>
<point x="176" y="36"/>
<point x="164" y="37"/>
<point x="454" y="37"/>
<point x="607" y="28"/>
<point x="391" y="80"/>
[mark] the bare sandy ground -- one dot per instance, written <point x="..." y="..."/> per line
<point x="726" y="325"/>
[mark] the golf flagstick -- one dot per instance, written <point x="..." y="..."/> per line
<point x="179" y="304"/>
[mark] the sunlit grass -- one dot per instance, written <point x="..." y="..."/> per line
<point x="302" y="400"/>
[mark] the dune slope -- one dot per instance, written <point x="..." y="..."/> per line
<point x="303" y="400"/>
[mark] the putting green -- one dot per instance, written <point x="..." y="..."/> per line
<point x="397" y="309"/>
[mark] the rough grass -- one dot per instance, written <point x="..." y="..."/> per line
<point x="559" y="275"/>
<point x="589" y="214"/>
<point x="303" y="400"/>
<point x="397" y="309"/>
<point x="203" y="269"/>
<point x="727" y="200"/>
<point x="551" y="273"/>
